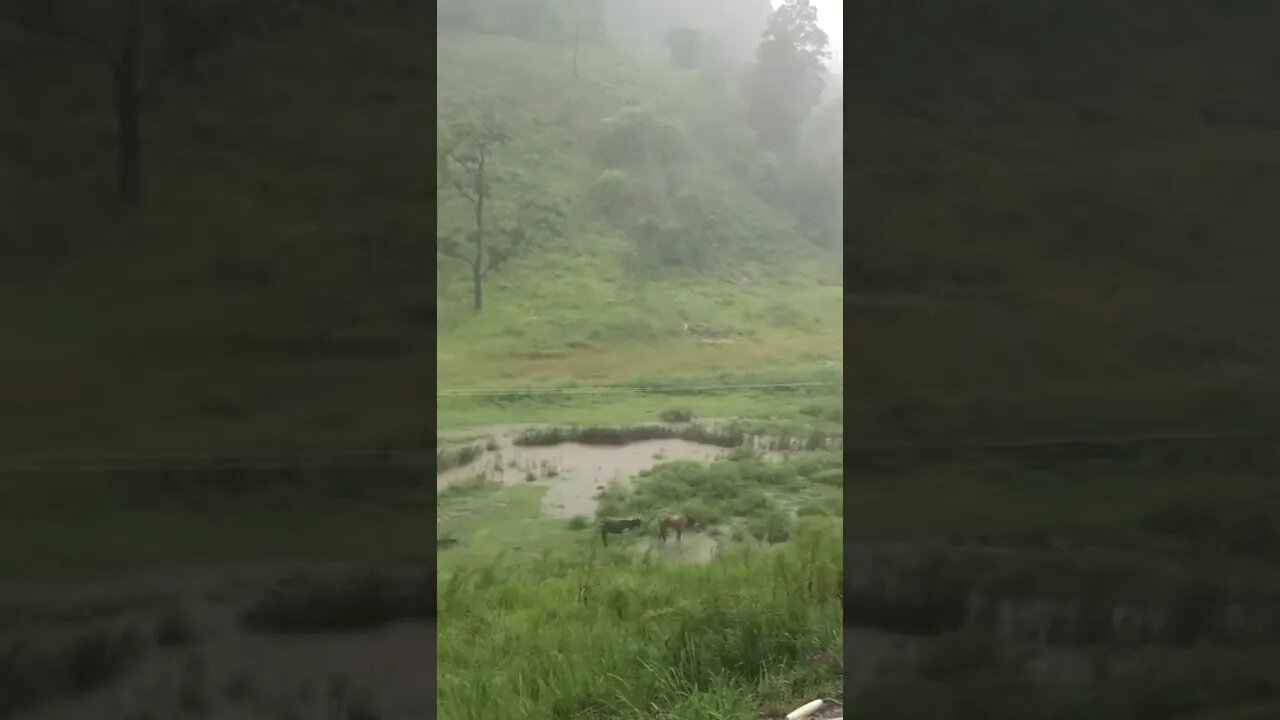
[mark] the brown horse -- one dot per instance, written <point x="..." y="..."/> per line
<point x="679" y="523"/>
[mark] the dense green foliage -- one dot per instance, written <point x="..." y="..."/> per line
<point x="786" y="80"/>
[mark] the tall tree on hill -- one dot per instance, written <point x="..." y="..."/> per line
<point x="144" y="43"/>
<point x="786" y="81"/>
<point x="471" y="147"/>
<point x="683" y="45"/>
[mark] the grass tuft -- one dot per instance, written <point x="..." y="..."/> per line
<point x="729" y="636"/>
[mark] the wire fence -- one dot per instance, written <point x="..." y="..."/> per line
<point x="1032" y="442"/>
<point x="420" y="459"/>
<point x="638" y="389"/>
<point x="106" y="464"/>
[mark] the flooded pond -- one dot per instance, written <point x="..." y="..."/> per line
<point x="572" y="472"/>
<point x="696" y="547"/>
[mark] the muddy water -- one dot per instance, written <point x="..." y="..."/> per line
<point x="573" y="473"/>
<point x="229" y="673"/>
<point x="694" y="548"/>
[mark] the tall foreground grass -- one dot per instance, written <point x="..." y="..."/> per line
<point x="615" y="634"/>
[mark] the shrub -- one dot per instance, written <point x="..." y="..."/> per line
<point x="814" y="508"/>
<point x="447" y="459"/>
<point x="606" y="435"/>
<point x="772" y="527"/>
<point x="677" y="415"/>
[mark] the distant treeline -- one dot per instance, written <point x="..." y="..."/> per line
<point x="537" y="20"/>
<point x="641" y="26"/>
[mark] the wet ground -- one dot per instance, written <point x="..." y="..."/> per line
<point x="693" y="547"/>
<point x="572" y="472"/>
<point x="225" y="671"/>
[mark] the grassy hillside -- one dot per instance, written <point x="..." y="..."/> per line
<point x="276" y="291"/>
<point x="591" y="308"/>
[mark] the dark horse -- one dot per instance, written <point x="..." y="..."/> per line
<point x="614" y="526"/>
<point x="679" y="523"/>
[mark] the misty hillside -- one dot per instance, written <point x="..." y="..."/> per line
<point x="730" y="28"/>
<point x="670" y="217"/>
<point x="277" y="280"/>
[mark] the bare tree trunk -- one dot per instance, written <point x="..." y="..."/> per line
<point x="129" y="115"/>
<point x="477" y="267"/>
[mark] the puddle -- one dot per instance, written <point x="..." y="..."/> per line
<point x="698" y="548"/>
<point x="573" y="473"/>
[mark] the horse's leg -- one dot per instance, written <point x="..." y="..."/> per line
<point x="604" y="537"/>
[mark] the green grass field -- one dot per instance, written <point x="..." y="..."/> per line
<point x="612" y="634"/>
<point x="755" y="629"/>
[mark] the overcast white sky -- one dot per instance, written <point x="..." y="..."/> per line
<point x="831" y="20"/>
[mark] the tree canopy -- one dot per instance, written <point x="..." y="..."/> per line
<point x="786" y="81"/>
